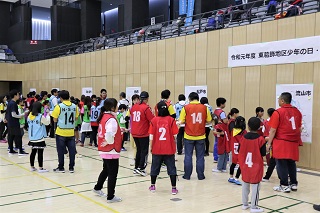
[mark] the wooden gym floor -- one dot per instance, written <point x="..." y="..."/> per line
<point x="25" y="191"/>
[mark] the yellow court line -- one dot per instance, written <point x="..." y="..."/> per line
<point x="62" y="186"/>
<point x="17" y="176"/>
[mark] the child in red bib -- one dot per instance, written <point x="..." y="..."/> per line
<point x="163" y="130"/>
<point x="252" y="148"/>
<point x="237" y="133"/>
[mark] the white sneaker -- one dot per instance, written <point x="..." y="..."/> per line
<point x="99" y="193"/>
<point x="216" y="170"/>
<point x="280" y="188"/>
<point x="256" y="210"/>
<point x="294" y="187"/>
<point x="224" y="170"/>
<point x="114" y="200"/>
<point x="141" y="172"/>
<point x="43" y="170"/>
<point x="265" y="180"/>
<point x="135" y="172"/>
<point x="33" y="169"/>
<point x="245" y="207"/>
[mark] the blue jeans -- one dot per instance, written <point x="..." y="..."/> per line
<point x="222" y="161"/>
<point x="215" y="149"/>
<point x="62" y="143"/>
<point x="189" y="145"/>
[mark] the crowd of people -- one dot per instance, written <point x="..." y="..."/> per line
<point x="164" y="131"/>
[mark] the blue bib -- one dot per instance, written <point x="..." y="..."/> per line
<point x="37" y="131"/>
<point x="51" y="104"/>
<point x="178" y="110"/>
<point x="67" y="117"/>
<point x="95" y="112"/>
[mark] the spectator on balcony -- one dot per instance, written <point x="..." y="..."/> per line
<point x="100" y="41"/>
<point x="272" y="7"/>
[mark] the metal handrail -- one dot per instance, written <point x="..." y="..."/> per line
<point x="82" y="46"/>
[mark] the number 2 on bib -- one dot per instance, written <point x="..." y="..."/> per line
<point x="163" y="133"/>
<point x="249" y="159"/>
<point x="196" y="118"/>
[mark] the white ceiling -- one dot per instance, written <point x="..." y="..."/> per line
<point x="39" y="3"/>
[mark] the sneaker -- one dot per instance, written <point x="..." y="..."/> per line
<point x="224" y="170"/>
<point x="17" y="149"/>
<point x="33" y="169"/>
<point x="99" y="193"/>
<point x="265" y="179"/>
<point x="237" y="182"/>
<point x="206" y="154"/>
<point x="231" y="180"/>
<point x="316" y="207"/>
<point x="256" y="210"/>
<point x="23" y="153"/>
<point x="280" y="188"/>
<point x="216" y="170"/>
<point x="96" y="145"/>
<point x="123" y="149"/>
<point x="152" y="188"/>
<point x="71" y="170"/>
<point x="185" y="178"/>
<point x="142" y="172"/>
<point x="294" y="187"/>
<point x="135" y="172"/>
<point x="59" y="170"/>
<point x="78" y="156"/>
<point x="43" y="170"/>
<point x="13" y="152"/>
<point x="215" y="161"/>
<point x="114" y="200"/>
<point x="174" y="191"/>
<point x="245" y="207"/>
<point x="3" y="141"/>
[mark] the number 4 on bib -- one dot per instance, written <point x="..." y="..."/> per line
<point x="249" y="160"/>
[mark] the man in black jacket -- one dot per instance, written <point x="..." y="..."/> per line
<point x="12" y="117"/>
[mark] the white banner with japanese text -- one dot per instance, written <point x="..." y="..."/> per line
<point x="87" y="91"/>
<point x="130" y="91"/>
<point x="275" y="52"/>
<point x="201" y="90"/>
<point x="302" y="99"/>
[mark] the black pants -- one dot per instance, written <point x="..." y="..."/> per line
<point x="179" y="140"/>
<point x="207" y="140"/>
<point x="33" y="156"/>
<point x="233" y="165"/>
<point x="110" y="171"/>
<point x="125" y="138"/>
<point x="48" y="128"/>
<point x="53" y="127"/>
<point x="142" y="145"/>
<point x="15" y="135"/>
<point x="93" y="135"/>
<point x="287" y="167"/>
<point x="272" y="165"/>
<point x="3" y="130"/>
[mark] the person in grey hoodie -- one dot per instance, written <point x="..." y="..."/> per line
<point x="178" y="107"/>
